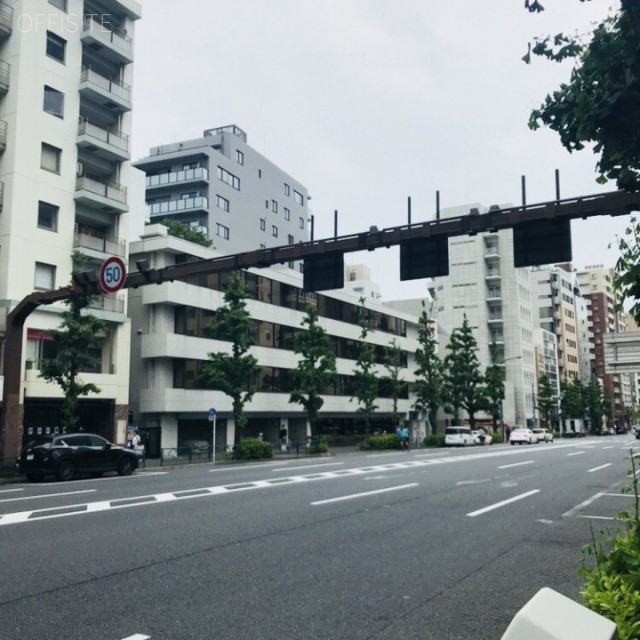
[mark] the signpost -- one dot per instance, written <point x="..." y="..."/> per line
<point x="212" y="418"/>
<point x="113" y="274"/>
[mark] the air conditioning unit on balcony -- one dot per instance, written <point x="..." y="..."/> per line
<point x="80" y="169"/>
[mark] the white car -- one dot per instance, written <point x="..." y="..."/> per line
<point x="480" y="436"/>
<point x="523" y="436"/>
<point x="458" y="437"/>
<point x="543" y="435"/>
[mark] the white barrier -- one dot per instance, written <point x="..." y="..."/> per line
<point x="551" y="616"/>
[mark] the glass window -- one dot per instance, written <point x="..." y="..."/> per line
<point x="274" y="231"/>
<point x="287" y="189"/>
<point x="287" y="214"/>
<point x="45" y="276"/>
<point x="222" y="231"/>
<point x="239" y="156"/>
<point x="229" y="178"/>
<point x="50" y="158"/>
<point x="263" y="224"/>
<point x="291" y="239"/>
<point x="47" y="216"/>
<point x="274" y="206"/>
<point x="61" y="4"/>
<point x="298" y="197"/>
<point x="56" y="46"/>
<point x="301" y="223"/>
<point x="222" y="203"/>
<point x="53" y="101"/>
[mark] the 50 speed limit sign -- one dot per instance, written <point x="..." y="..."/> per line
<point x="112" y="274"/>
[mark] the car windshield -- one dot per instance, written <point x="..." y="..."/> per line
<point x="40" y="440"/>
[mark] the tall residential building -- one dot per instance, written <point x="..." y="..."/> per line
<point x="171" y="343"/>
<point x="547" y="364"/>
<point x="496" y="298"/>
<point x="65" y="120"/>
<point x="219" y="185"/>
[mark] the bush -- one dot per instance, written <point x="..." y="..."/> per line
<point x="434" y="440"/>
<point x="497" y="438"/>
<point x="612" y="586"/>
<point x="377" y="443"/>
<point x="252" y="449"/>
<point x="319" y="445"/>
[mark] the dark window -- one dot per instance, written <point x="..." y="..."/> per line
<point x="47" y="216"/>
<point x="53" y="101"/>
<point x="50" y="158"/>
<point x="61" y="4"/>
<point x="56" y="46"/>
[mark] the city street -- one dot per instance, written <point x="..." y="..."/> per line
<point x="430" y="544"/>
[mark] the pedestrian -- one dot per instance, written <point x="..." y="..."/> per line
<point x="508" y="433"/>
<point x="404" y="437"/>
<point x="136" y="444"/>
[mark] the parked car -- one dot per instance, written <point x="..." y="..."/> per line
<point x="458" y="437"/>
<point x="66" y="455"/>
<point x="520" y="436"/>
<point x="480" y="436"/>
<point x="543" y="435"/>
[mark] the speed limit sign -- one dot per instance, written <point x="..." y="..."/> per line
<point x="112" y="274"/>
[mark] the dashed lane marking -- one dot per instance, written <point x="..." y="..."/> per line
<point x="602" y="466"/>
<point x="516" y="464"/>
<point x="364" y="494"/>
<point x="502" y="503"/>
<point x="42" y="496"/>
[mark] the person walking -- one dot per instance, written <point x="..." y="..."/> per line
<point x="404" y="438"/>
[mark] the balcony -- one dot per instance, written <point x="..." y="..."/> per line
<point x="110" y="144"/>
<point x="494" y="295"/>
<point x="99" y="242"/>
<point x="109" y="302"/>
<point x="494" y="318"/>
<point x="6" y="20"/>
<point x="3" y="135"/>
<point x="99" y="193"/>
<point x="5" y="69"/>
<point x="491" y="250"/>
<point x="186" y="176"/>
<point x="492" y="274"/>
<point x="199" y="203"/>
<point x="1" y="195"/>
<point x="98" y="34"/>
<point x="109" y="92"/>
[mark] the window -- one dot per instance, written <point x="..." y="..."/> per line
<point x="50" y="158"/>
<point x="239" y="156"/>
<point x="229" y="178"/>
<point x="47" y="216"/>
<point x="259" y="173"/>
<point x="301" y="223"/>
<point x="56" y="46"/>
<point x="274" y="231"/>
<point x="263" y="224"/>
<point x="266" y="204"/>
<point x="287" y="214"/>
<point x="222" y="203"/>
<point x="61" y="4"/>
<point x="274" y="206"/>
<point x="53" y="101"/>
<point x="45" y="276"/>
<point x="287" y="189"/>
<point x="222" y="231"/>
<point x="298" y="197"/>
<point x="291" y="239"/>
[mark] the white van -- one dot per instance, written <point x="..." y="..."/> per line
<point x="458" y="437"/>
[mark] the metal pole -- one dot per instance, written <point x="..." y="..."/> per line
<point x="213" y="454"/>
<point x="409" y="210"/>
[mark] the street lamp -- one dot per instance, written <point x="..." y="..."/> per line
<point x="502" y="402"/>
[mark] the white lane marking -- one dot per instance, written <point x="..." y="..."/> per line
<point x="385" y="454"/>
<point x="515" y="464"/>
<point x="48" y="495"/>
<point x="602" y="466"/>
<point x="596" y="517"/>
<point x="137" y="636"/>
<point x="10" y="490"/>
<point x="497" y="505"/>
<point x="609" y="447"/>
<point x="619" y="495"/>
<point x="586" y="503"/>
<point x="365" y="494"/>
<point x="575" y="453"/>
<point x="308" y="466"/>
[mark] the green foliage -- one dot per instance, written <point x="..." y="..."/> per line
<point x="252" y="449"/>
<point x="377" y="443"/>
<point x="626" y="279"/>
<point x="464" y="383"/>
<point x="319" y="445"/>
<point x="572" y="403"/>
<point x="494" y="388"/>
<point x="393" y="378"/>
<point x="234" y="374"/>
<point x="596" y="404"/>
<point x="316" y="369"/>
<point x="427" y="387"/>
<point x="611" y="569"/>
<point x="434" y="440"/>
<point x="76" y="340"/>
<point x="547" y="400"/>
<point x="599" y="104"/>
<point x="184" y="231"/>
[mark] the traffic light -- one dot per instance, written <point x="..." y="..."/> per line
<point x="324" y="272"/>
<point x="424" y="258"/>
<point x="539" y="242"/>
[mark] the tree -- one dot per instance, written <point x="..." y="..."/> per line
<point x="316" y="369"/>
<point x="547" y="400"/>
<point x="76" y="341"/>
<point x="572" y="402"/>
<point x="234" y="374"/>
<point x="494" y="393"/>
<point x="393" y="380"/>
<point x="365" y="378"/>
<point x="184" y="231"/>
<point x="595" y="404"/>
<point x="464" y="382"/>
<point x="429" y="375"/>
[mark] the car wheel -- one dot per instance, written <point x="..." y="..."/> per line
<point x="125" y="466"/>
<point x="35" y="477"/>
<point x="512" y="444"/>
<point x="66" y="471"/>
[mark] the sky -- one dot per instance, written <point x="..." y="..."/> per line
<point x="369" y="102"/>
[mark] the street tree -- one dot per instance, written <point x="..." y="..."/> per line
<point x="427" y="387"/>
<point x="572" y="403"/>
<point x="234" y="373"/>
<point x="494" y="393"/>
<point x="393" y="380"/>
<point x="547" y="400"/>
<point x="365" y="376"/>
<point x="464" y="382"/>
<point x="316" y="368"/>
<point x="77" y="344"/>
<point x="596" y="405"/>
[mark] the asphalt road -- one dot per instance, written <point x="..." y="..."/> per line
<point x="393" y="546"/>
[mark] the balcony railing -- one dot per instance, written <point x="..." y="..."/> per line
<point x="88" y="238"/>
<point x="3" y="135"/>
<point x="1" y="195"/>
<point x="108" y="302"/>
<point x="101" y="30"/>
<point x="111" y="85"/>
<point x="172" y="206"/>
<point x="109" y="136"/>
<point x="6" y="19"/>
<point x="5" y="72"/>
<point x="102" y="187"/>
<point x="186" y="175"/>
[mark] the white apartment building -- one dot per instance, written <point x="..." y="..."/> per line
<point x="221" y="186"/>
<point x="169" y="346"/>
<point x="547" y="364"/>
<point x="497" y="300"/>
<point x="65" y="120"/>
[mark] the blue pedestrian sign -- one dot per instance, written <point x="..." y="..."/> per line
<point x="212" y="414"/>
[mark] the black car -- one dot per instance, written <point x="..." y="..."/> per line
<point x="65" y="455"/>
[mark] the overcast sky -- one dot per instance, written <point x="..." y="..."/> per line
<point x="367" y="102"/>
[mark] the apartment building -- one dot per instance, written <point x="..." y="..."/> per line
<point x="170" y="345"/>
<point x="547" y="365"/>
<point x="221" y="186"/>
<point x="496" y="297"/>
<point x="65" y="120"/>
